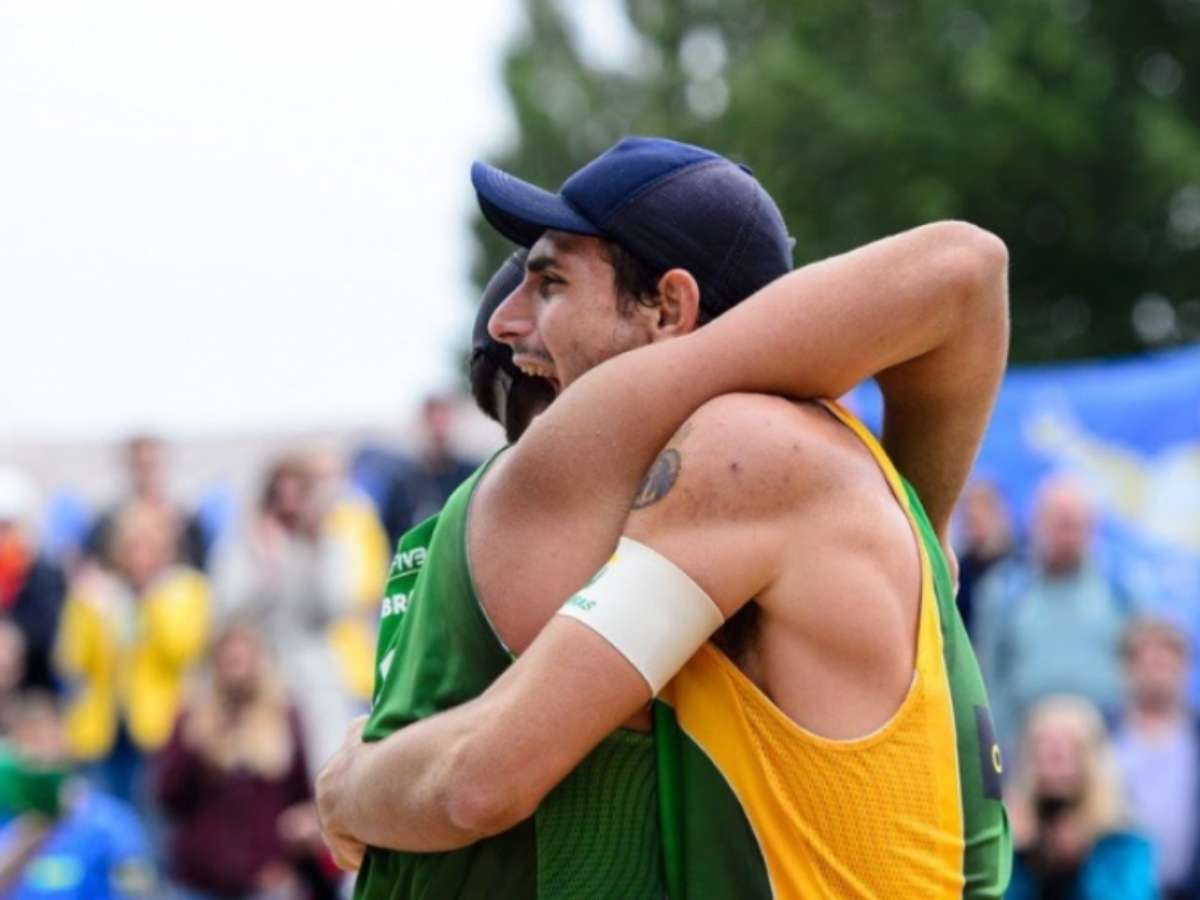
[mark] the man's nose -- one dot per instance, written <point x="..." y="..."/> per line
<point x="512" y="319"/>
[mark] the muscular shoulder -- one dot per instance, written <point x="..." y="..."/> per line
<point x="746" y="454"/>
<point x="723" y="498"/>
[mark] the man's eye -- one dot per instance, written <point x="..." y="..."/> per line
<point x="547" y="285"/>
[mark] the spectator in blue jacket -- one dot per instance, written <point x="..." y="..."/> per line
<point x="1070" y="826"/>
<point x="1052" y="623"/>
<point x="71" y="842"/>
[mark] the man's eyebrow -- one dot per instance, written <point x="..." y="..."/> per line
<point x="540" y="263"/>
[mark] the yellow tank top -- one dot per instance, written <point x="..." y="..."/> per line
<point x="888" y="815"/>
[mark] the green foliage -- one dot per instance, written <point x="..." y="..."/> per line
<point x="1071" y="128"/>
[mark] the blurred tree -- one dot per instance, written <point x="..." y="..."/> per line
<point x="1069" y="127"/>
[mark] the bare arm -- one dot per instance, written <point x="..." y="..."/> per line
<point x="468" y="773"/>
<point x="928" y="308"/>
<point x="898" y="305"/>
<point x="936" y="406"/>
<point x="455" y="792"/>
<point x="818" y="331"/>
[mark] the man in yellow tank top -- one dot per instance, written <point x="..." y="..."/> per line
<point x="838" y="711"/>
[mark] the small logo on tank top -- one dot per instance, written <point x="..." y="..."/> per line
<point x="991" y="766"/>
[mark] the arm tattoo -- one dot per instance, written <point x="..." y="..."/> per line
<point x="659" y="480"/>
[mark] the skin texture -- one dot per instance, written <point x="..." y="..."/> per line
<point x="759" y="497"/>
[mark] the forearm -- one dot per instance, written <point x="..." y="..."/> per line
<point x="937" y="405"/>
<point x="933" y="441"/>
<point x="400" y="793"/>
<point x="899" y="306"/>
<point x="815" y="332"/>
<point x="828" y="326"/>
<point x="481" y="768"/>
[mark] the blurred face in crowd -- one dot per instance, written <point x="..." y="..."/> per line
<point x="1057" y="755"/>
<point x="328" y="473"/>
<point x="238" y="663"/>
<point x="1062" y="527"/>
<point x="985" y="519"/>
<point x="38" y="731"/>
<point x="11" y="535"/>
<point x="147" y="469"/>
<point x="144" y="546"/>
<point x="438" y="417"/>
<point x="1156" y="663"/>
<point x="290" y="497"/>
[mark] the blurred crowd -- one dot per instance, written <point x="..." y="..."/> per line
<point x="167" y="693"/>
<point x="168" y="690"/>
<point x="1089" y="686"/>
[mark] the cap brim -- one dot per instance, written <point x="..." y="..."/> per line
<point x="521" y="211"/>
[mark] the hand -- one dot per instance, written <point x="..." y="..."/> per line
<point x="335" y="798"/>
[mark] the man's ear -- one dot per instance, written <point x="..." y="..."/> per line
<point x="678" y="310"/>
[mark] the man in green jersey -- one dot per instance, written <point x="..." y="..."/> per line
<point x="926" y="309"/>
<point x="436" y="648"/>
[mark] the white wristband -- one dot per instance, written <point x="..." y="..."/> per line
<point x="649" y="609"/>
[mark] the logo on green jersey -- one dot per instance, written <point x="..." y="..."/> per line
<point x="394" y="604"/>
<point x="385" y="664"/>
<point x="405" y="562"/>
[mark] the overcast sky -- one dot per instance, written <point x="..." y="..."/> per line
<point x="218" y="216"/>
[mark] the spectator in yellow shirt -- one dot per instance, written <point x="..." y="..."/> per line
<point x="126" y="643"/>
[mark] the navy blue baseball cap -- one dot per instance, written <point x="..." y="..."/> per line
<point x="503" y="282"/>
<point x="671" y="205"/>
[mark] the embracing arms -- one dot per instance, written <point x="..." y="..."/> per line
<point x="923" y="307"/>
<point x="927" y="309"/>
<point x="482" y="767"/>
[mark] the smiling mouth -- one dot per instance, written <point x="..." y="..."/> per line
<point x="535" y="368"/>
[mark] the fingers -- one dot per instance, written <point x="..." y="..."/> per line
<point x="347" y="853"/>
<point x="331" y="786"/>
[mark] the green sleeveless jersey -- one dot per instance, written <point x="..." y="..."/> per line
<point x="594" y="836"/>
